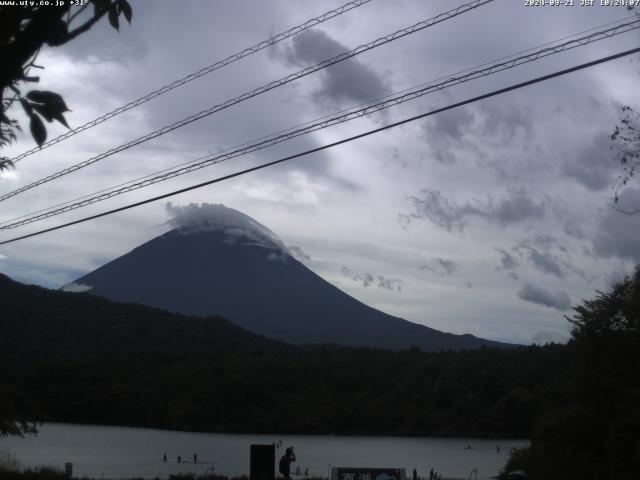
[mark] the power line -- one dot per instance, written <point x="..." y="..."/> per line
<point x="265" y="88"/>
<point x="330" y="145"/>
<point x="351" y="114"/>
<point x="203" y="71"/>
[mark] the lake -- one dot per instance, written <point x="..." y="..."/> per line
<point x="121" y="452"/>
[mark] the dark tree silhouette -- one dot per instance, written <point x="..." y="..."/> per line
<point x="24" y="30"/>
<point x="18" y="416"/>
<point x="592" y="429"/>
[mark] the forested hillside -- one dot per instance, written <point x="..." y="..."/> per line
<point x="85" y="359"/>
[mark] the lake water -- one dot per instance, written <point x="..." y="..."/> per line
<point x="120" y="452"/>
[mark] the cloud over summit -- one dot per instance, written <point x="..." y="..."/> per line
<point x="238" y="227"/>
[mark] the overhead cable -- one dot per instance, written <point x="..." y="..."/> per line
<point x="203" y="71"/>
<point x="330" y="145"/>
<point x="265" y="88"/>
<point x="342" y="117"/>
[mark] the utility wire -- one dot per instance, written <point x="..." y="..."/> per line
<point x="265" y="88"/>
<point x="307" y="128"/>
<point x="203" y="71"/>
<point x="330" y="145"/>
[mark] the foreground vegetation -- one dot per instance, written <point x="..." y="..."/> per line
<point x="593" y="431"/>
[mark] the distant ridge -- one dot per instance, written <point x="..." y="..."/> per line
<point x="219" y="261"/>
<point x="41" y="319"/>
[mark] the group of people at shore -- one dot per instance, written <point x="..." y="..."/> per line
<point x="433" y="475"/>
<point x="179" y="458"/>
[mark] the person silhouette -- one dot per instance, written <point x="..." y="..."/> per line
<point x="285" y="462"/>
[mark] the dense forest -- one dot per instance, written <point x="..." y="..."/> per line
<point x="79" y="358"/>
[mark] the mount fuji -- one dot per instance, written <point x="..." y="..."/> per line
<point x="219" y="261"/>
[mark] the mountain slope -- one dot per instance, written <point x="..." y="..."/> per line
<point x="220" y="261"/>
<point x="41" y="323"/>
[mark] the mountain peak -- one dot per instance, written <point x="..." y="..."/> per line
<point x="237" y="227"/>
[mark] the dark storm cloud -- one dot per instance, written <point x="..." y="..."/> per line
<point x="432" y="205"/>
<point x="593" y="166"/>
<point x="440" y="266"/>
<point x="378" y="280"/>
<point x="505" y="121"/>
<point x="451" y="125"/>
<point x="299" y="253"/>
<point x="507" y="261"/>
<point x="548" y="255"/>
<point x="446" y="132"/>
<point x="535" y="294"/>
<point x="459" y="132"/>
<point x="366" y="278"/>
<point x="517" y="206"/>
<point x="617" y="234"/>
<point x="545" y="262"/>
<point x="350" y="81"/>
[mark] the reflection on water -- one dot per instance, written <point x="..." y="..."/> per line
<point x="120" y="452"/>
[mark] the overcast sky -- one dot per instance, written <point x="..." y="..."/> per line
<point x="491" y="219"/>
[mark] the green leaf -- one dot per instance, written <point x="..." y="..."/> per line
<point x="126" y="9"/>
<point x="38" y="130"/>
<point x="113" y="18"/>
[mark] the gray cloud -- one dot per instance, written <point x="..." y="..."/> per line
<point x="450" y="125"/>
<point x="518" y="205"/>
<point x="440" y="266"/>
<point x="389" y="283"/>
<point x="505" y="121"/>
<point x="365" y="278"/>
<point x="277" y="257"/>
<point x="593" y="167"/>
<point x="548" y="255"/>
<point x="617" y="234"/>
<point x="543" y="261"/>
<point x="74" y="287"/>
<point x="299" y="253"/>
<point x="378" y="280"/>
<point x="535" y="294"/>
<point x="445" y="133"/>
<point x="507" y="261"/>
<point x="348" y="81"/>
<point x="236" y="226"/>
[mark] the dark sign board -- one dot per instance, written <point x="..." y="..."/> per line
<point x="263" y="462"/>
<point x="357" y="473"/>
